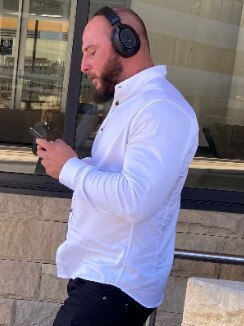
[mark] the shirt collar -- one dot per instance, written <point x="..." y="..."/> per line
<point x="131" y="85"/>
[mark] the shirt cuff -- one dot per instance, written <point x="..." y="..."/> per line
<point x="69" y="172"/>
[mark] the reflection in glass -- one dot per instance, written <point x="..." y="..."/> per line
<point x="8" y="23"/>
<point x="45" y="55"/>
<point x="32" y="75"/>
<point x="202" y="45"/>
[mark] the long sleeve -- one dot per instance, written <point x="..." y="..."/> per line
<point x="156" y="157"/>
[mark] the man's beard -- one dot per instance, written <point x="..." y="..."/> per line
<point x="110" y="77"/>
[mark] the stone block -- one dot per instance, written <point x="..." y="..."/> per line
<point x="19" y="279"/>
<point x="168" y="319"/>
<point x="20" y="206"/>
<point x="234" y="246"/>
<point x="52" y="288"/>
<point x="43" y="239"/>
<point x="211" y="302"/>
<point x="6" y="312"/>
<point x="199" y="242"/>
<point x="13" y="238"/>
<point x="35" y="313"/>
<point x="174" y="295"/>
<point x="56" y="209"/>
<point x="231" y="272"/>
<point x="188" y="268"/>
<point x="49" y="269"/>
<point x="211" y="223"/>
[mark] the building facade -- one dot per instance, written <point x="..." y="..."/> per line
<point x="202" y="44"/>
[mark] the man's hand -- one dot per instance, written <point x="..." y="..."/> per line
<point x="54" y="155"/>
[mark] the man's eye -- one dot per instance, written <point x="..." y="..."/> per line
<point x="92" y="53"/>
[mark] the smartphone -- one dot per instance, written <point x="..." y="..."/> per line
<point x="35" y="133"/>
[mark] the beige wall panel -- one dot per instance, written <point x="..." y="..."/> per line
<point x="13" y="238"/>
<point x="234" y="246"/>
<point x="242" y="15"/>
<point x="240" y="46"/>
<point x="205" y="9"/>
<point x="170" y="50"/>
<point x="184" y="5"/>
<point x="199" y="242"/>
<point x="172" y="4"/>
<point x="6" y="312"/>
<point x="237" y="10"/>
<point x="52" y="289"/>
<point x="226" y="11"/>
<point x="43" y="239"/>
<point x="231" y="272"/>
<point x="56" y="209"/>
<point x="237" y="92"/>
<point x="174" y="295"/>
<point x="165" y="318"/>
<point x="219" y="34"/>
<point x="211" y="58"/>
<point x="182" y="53"/>
<point x="211" y="223"/>
<point x="165" y="48"/>
<point x="239" y="64"/>
<point x="200" y="84"/>
<point x="189" y="27"/>
<point x="21" y="206"/>
<point x="220" y="10"/>
<point x="35" y="313"/>
<point x="216" y="7"/>
<point x="19" y="279"/>
<point x="188" y="268"/>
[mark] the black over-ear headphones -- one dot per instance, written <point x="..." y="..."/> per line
<point x="124" y="38"/>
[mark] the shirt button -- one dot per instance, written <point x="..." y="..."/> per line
<point x="117" y="103"/>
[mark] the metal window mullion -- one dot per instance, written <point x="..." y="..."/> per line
<point x="73" y="8"/>
<point x="21" y="36"/>
<point x="73" y="92"/>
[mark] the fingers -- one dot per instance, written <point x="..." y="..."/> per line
<point x="43" y="147"/>
<point x="42" y="143"/>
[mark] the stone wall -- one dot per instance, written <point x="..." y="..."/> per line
<point x="31" y="228"/>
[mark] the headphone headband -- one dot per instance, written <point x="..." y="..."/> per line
<point x="124" y="38"/>
<point x="109" y="13"/>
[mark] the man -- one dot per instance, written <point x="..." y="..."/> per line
<point x="121" y="232"/>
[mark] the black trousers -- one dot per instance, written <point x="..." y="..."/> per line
<point x="95" y="304"/>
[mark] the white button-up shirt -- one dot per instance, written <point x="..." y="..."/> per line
<point x="126" y="199"/>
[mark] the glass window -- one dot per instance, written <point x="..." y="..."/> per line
<point x="202" y="44"/>
<point x="35" y="50"/>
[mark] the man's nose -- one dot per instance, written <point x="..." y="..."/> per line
<point x="84" y="65"/>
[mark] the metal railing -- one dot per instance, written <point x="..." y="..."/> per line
<point x="205" y="257"/>
<point x="210" y="257"/>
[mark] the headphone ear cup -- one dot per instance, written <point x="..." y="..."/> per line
<point x="125" y="40"/>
